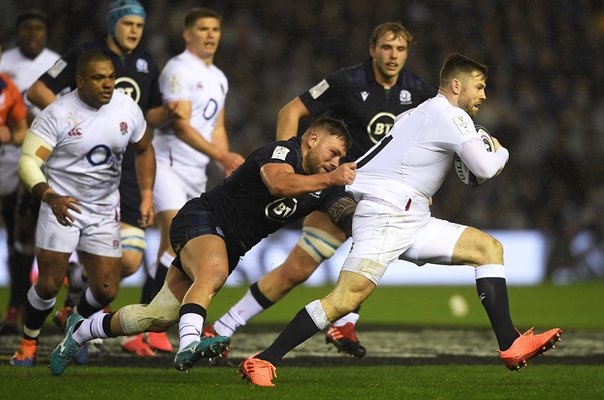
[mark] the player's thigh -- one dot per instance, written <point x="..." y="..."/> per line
<point x="380" y="235"/>
<point x="435" y="243"/>
<point x="205" y="259"/>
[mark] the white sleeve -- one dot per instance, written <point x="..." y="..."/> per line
<point x="46" y="126"/>
<point x="140" y="124"/>
<point x="173" y="83"/>
<point x="482" y="163"/>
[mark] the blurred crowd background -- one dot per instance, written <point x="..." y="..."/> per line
<point x="545" y="94"/>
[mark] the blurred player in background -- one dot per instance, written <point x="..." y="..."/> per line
<point x="276" y="185"/>
<point x="191" y="82"/>
<point x="23" y="64"/>
<point x="81" y="140"/>
<point x="367" y="97"/>
<point x="137" y="75"/>
<point x="395" y="180"/>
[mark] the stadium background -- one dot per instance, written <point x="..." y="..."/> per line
<point x="545" y="98"/>
<point x="545" y="103"/>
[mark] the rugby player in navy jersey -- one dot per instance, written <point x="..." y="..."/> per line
<point x="277" y="184"/>
<point x="367" y="97"/>
<point x="137" y="75"/>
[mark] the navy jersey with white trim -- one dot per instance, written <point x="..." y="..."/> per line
<point x="247" y="212"/>
<point x="353" y="95"/>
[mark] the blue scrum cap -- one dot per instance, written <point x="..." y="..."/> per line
<point x="121" y="8"/>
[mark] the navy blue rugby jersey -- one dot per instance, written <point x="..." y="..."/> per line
<point x="353" y="95"/>
<point x="137" y="75"/>
<point x="247" y="212"/>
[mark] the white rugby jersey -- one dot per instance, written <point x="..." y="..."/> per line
<point x="23" y="71"/>
<point x="414" y="160"/>
<point x="88" y="147"/>
<point x="186" y="77"/>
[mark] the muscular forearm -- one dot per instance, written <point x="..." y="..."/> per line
<point x="290" y="184"/>
<point x="341" y="213"/>
<point x="40" y="95"/>
<point x="145" y="172"/>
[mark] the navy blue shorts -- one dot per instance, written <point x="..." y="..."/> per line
<point x="196" y="219"/>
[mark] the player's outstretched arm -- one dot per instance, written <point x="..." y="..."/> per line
<point x="289" y="117"/>
<point x="282" y="181"/>
<point x="40" y="95"/>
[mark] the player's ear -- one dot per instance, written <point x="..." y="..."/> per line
<point x="186" y="35"/>
<point x="313" y="138"/>
<point x="456" y="86"/>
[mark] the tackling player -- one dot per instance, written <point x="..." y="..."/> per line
<point x="276" y="185"/>
<point x="367" y="97"/>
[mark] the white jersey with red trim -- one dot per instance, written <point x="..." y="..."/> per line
<point x="413" y="161"/>
<point x="88" y="147"/>
<point x="187" y="78"/>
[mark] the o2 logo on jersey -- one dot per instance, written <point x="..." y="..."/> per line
<point x="129" y="87"/>
<point x="209" y="111"/>
<point x="380" y="126"/>
<point x="99" y="154"/>
<point x="281" y="209"/>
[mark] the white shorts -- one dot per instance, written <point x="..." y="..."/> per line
<point x="175" y="185"/>
<point x="382" y="234"/>
<point x="92" y="233"/>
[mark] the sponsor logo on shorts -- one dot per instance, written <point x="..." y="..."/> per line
<point x="116" y="244"/>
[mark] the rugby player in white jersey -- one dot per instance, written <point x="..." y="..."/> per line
<point x="81" y="139"/>
<point x="190" y="82"/>
<point x="395" y="180"/>
<point x="23" y="64"/>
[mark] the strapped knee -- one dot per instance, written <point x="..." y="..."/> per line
<point x="161" y="313"/>
<point x="319" y="244"/>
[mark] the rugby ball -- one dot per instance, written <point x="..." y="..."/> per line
<point x="463" y="172"/>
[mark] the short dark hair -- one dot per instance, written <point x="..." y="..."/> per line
<point x="31" y="14"/>
<point x="457" y="64"/>
<point x="87" y="57"/>
<point x="200" y="12"/>
<point x="335" y="127"/>
<point x="396" y="28"/>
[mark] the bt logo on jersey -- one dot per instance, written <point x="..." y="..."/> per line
<point x="380" y="126"/>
